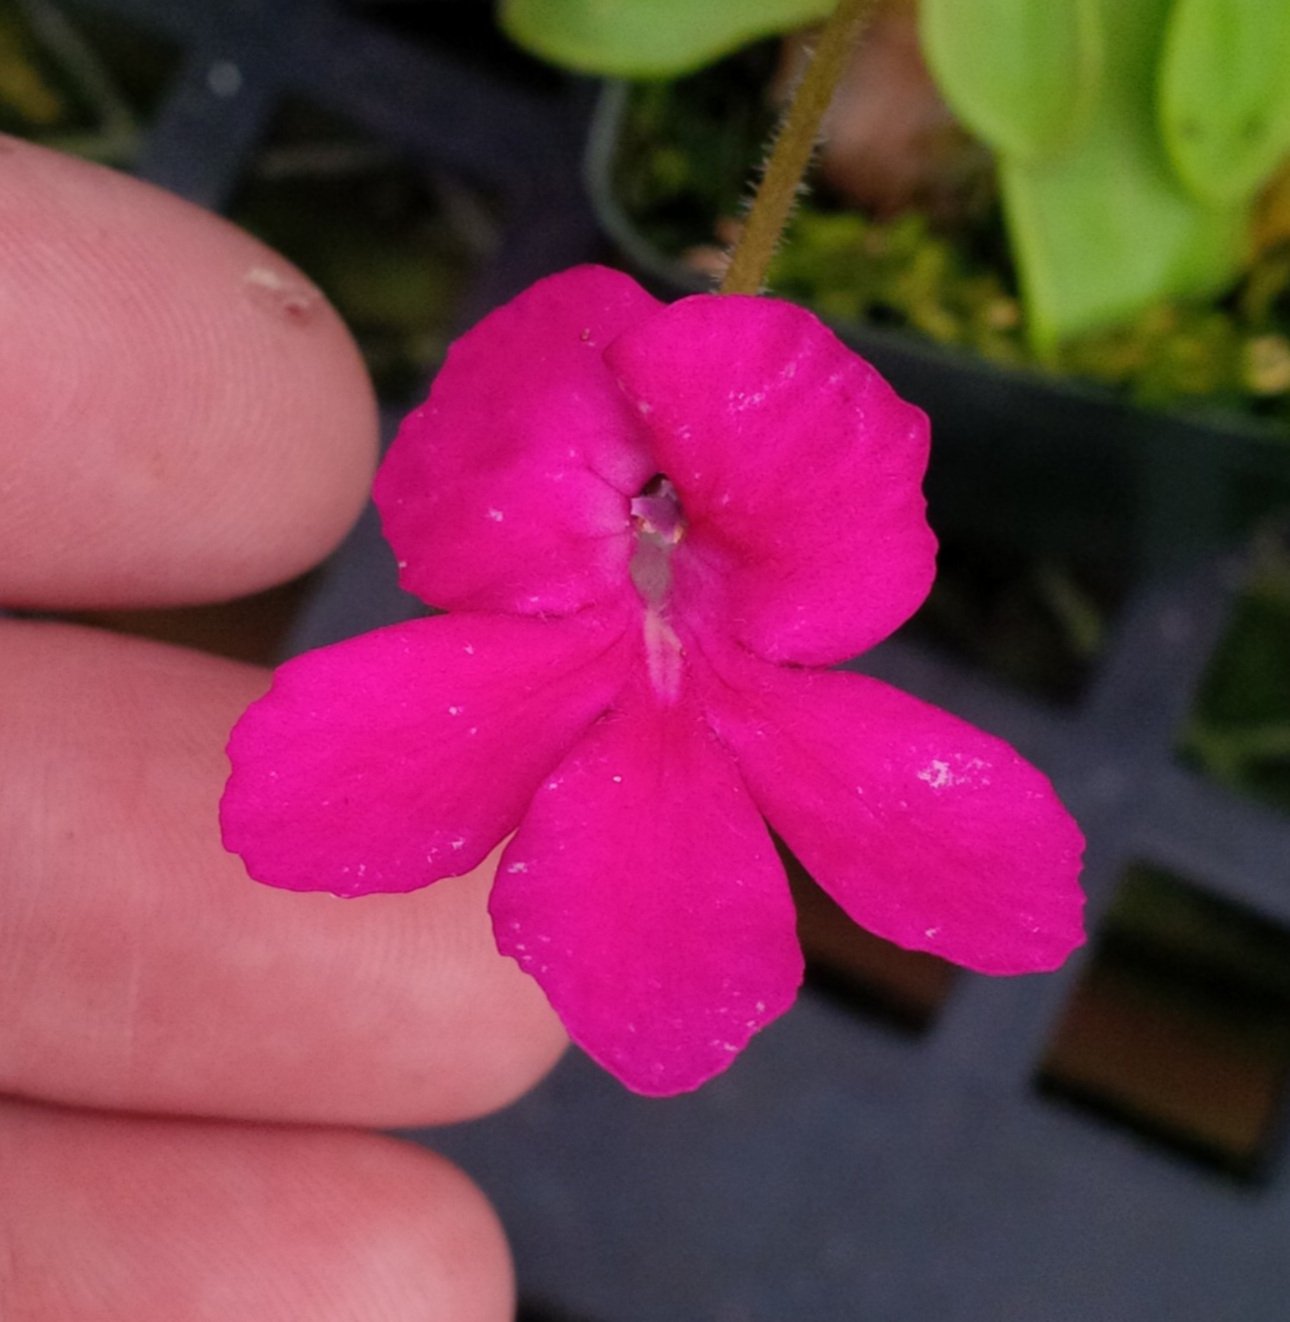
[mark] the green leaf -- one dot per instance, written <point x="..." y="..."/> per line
<point x="648" y="38"/>
<point x="1021" y="74"/>
<point x="1225" y="94"/>
<point x="1105" y="229"/>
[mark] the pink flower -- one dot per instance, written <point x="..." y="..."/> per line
<point x="653" y="527"/>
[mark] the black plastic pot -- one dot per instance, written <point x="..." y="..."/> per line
<point x="1041" y="462"/>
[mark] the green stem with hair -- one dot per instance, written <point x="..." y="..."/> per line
<point x="794" y="145"/>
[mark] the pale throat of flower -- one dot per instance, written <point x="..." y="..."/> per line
<point x="659" y="524"/>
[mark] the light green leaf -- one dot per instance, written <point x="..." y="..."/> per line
<point x="1225" y="94"/>
<point x="1021" y="74"/>
<point x="1106" y="229"/>
<point x="648" y="38"/>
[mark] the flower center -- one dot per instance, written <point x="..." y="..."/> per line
<point x="660" y="525"/>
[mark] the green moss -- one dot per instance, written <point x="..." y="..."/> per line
<point x="680" y="173"/>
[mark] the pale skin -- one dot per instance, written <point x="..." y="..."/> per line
<point x="189" y="1060"/>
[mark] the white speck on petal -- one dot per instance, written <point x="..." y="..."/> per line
<point x="496" y="515"/>
<point x="458" y="843"/>
<point x="517" y="867"/>
<point x="454" y="711"/>
<point x="645" y="407"/>
<point x="939" y="774"/>
<point x="618" y="780"/>
<point x="932" y="932"/>
<point x="469" y="649"/>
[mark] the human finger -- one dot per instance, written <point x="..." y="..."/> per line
<point x="113" y="1217"/>
<point x="141" y="969"/>
<point x="185" y="417"/>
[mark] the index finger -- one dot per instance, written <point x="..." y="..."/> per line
<point x="184" y="416"/>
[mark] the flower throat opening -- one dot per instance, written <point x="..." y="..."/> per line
<point x="659" y="524"/>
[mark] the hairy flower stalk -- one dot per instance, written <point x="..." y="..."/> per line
<point x="793" y="146"/>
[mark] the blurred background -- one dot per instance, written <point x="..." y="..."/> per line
<point x="1111" y="487"/>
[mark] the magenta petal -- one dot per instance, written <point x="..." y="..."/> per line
<point x="798" y="468"/>
<point x="926" y="830"/>
<point x="643" y="892"/>
<point x="391" y="760"/>
<point x="509" y="489"/>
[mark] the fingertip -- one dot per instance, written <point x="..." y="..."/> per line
<point x="148" y="972"/>
<point x="186" y="417"/>
<point x="229" y="1221"/>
